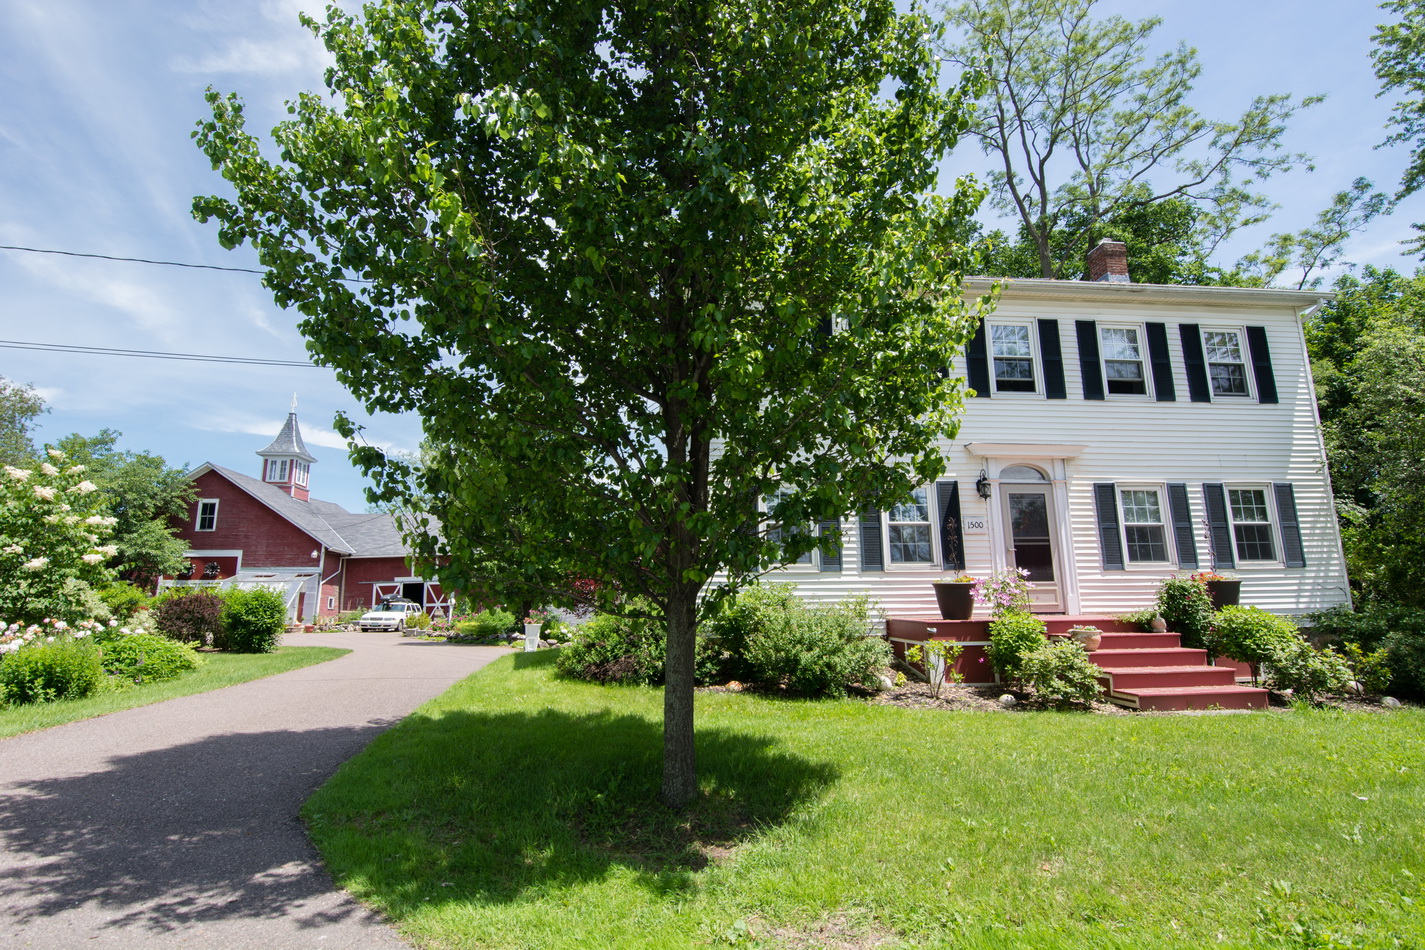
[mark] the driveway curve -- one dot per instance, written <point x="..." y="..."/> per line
<point x="176" y="824"/>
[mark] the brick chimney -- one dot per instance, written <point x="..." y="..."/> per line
<point x="1109" y="262"/>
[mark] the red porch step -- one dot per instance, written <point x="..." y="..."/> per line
<point x="1190" y="697"/>
<point x="1119" y="658"/>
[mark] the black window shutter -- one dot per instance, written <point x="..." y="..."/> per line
<point x="1106" y="500"/>
<point x="977" y="362"/>
<point x="952" y="535"/>
<point x="830" y="550"/>
<point x="1261" y="357"/>
<point x="1089" y="366"/>
<point x="1194" y="363"/>
<point x="1053" y="359"/>
<point x="1214" y="498"/>
<point x="871" y="557"/>
<point x="1183" y="534"/>
<point x="1162" y="362"/>
<point x="1293" y="554"/>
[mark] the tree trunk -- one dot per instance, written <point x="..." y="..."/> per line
<point x="680" y="771"/>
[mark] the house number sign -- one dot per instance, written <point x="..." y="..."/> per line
<point x="975" y="525"/>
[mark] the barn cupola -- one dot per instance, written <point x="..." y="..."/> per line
<point x="285" y="463"/>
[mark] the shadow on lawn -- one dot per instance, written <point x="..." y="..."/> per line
<point x="494" y="804"/>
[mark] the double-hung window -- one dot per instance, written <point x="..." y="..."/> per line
<point x="775" y="530"/>
<point x="1012" y="353"/>
<point x="1145" y="532"/>
<point x="1122" y="351"/>
<point x="1226" y="362"/>
<point x="1252" y="532"/>
<point x="207" y="514"/>
<point x="908" y="530"/>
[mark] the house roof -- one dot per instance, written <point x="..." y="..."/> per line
<point x="1181" y="294"/>
<point x="356" y="535"/>
<point x="289" y="442"/>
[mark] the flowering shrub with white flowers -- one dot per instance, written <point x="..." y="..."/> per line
<point x="54" y="534"/>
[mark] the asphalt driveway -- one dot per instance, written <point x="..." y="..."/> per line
<point x="175" y="825"/>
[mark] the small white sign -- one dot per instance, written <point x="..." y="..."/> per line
<point x="975" y="526"/>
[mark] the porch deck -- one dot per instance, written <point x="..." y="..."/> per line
<point x="1141" y="670"/>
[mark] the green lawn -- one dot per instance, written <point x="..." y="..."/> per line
<point x="217" y="671"/>
<point x="518" y="810"/>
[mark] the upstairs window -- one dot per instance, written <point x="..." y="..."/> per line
<point x="1012" y="351"/>
<point x="1226" y="366"/>
<point x="1123" y="361"/>
<point x="1251" y="524"/>
<point x="207" y="514"/>
<point x="908" y="530"/>
<point x="1145" y="534"/>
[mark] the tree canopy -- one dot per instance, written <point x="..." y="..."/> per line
<point x="19" y="407"/>
<point x="1084" y="129"/>
<point x="1368" y="360"/>
<point x="652" y="260"/>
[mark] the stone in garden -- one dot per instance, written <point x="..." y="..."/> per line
<point x="1390" y="702"/>
<point x="733" y="686"/>
<point x="1286" y="694"/>
<point x="1355" y="688"/>
<point x="885" y="683"/>
<point x="1007" y="700"/>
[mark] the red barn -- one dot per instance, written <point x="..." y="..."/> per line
<point x="269" y="531"/>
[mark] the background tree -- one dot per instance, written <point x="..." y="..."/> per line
<point x="604" y="247"/>
<point x="144" y="495"/>
<point x="1368" y="361"/>
<point x="19" y="407"/>
<point x="1084" y="130"/>
<point x="1399" y="59"/>
<point x="1315" y="247"/>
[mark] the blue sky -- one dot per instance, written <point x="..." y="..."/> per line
<point x="99" y="100"/>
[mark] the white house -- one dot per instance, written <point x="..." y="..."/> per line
<point x="1120" y="433"/>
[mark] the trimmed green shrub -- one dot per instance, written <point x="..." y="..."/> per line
<point x="1306" y="671"/>
<point x="753" y="610"/>
<point x="1061" y="672"/>
<point x="420" y="620"/>
<point x="147" y="658"/>
<point x="611" y="649"/>
<point x="1250" y="634"/>
<point x="1014" y="636"/>
<point x="820" y="651"/>
<point x="1371" y="670"/>
<point x="123" y="599"/>
<point x="1186" y="607"/>
<point x="194" y="615"/>
<point x="486" y="625"/>
<point x="44" y="672"/>
<point x="253" y="619"/>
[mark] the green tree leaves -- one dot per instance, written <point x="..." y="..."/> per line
<point x="600" y="246"/>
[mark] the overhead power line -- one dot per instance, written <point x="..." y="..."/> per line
<point x="144" y="260"/>
<point x="150" y="354"/>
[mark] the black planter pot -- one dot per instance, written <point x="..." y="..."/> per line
<point x="955" y="600"/>
<point x="1224" y="593"/>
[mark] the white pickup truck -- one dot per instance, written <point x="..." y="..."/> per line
<point x="390" y="615"/>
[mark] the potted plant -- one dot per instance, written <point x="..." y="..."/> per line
<point x="1089" y="636"/>
<point x="1223" y="590"/>
<point x="955" y="597"/>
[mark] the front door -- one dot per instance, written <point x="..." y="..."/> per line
<point x="1029" y="538"/>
